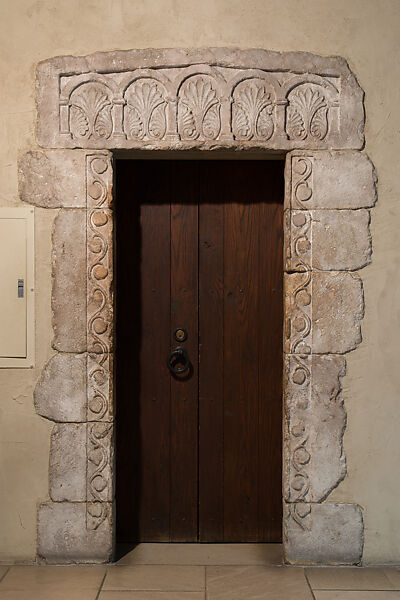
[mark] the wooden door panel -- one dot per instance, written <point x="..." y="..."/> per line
<point x="199" y="456"/>
<point x="240" y="372"/>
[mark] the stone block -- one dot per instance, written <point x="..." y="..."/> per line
<point x="327" y="240"/>
<point x="337" y="311"/>
<point x="329" y="180"/>
<point x="315" y="420"/>
<point x="64" y="536"/>
<point x="53" y="178"/>
<point x="328" y="534"/>
<point x="60" y="394"/>
<point x="323" y="312"/>
<point x="67" y="473"/>
<point x="69" y="281"/>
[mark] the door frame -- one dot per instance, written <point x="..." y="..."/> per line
<point x="305" y="106"/>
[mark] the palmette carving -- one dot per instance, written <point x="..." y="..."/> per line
<point x="198" y="109"/>
<point x="252" y="111"/>
<point x="307" y="113"/>
<point x="145" y="111"/>
<point x="90" y="112"/>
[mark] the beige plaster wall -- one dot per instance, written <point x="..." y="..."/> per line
<point x="366" y="32"/>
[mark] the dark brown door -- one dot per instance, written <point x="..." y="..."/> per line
<point x="199" y="247"/>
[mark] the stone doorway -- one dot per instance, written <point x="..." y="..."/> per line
<point x="307" y="107"/>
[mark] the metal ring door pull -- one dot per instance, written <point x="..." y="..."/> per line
<point x="178" y="361"/>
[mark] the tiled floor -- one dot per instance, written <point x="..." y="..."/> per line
<point x="199" y="572"/>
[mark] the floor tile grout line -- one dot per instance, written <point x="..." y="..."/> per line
<point x="309" y="584"/>
<point x="101" y="584"/>
<point x="5" y="573"/>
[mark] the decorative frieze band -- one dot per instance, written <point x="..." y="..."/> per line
<point x="196" y="100"/>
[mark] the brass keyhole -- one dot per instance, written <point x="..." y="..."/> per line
<point x="180" y="334"/>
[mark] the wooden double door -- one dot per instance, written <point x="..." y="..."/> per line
<point x="199" y="289"/>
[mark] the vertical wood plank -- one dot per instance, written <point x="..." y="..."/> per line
<point x="211" y="326"/>
<point x="270" y="317"/>
<point x="184" y="388"/>
<point x="240" y="357"/>
<point x="143" y="328"/>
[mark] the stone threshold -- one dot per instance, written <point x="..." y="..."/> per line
<point x="199" y="554"/>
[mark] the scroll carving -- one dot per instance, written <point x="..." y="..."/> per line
<point x="252" y="111"/>
<point x="198" y="109"/>
<point x="307" y="113"/>
<point x="298" y="406"/>
<point x="90" y="112"/>
<point x="302" y="181"/>
<point x="99" y="472"/>
<point x="145" y="117"/>
<point x="299" y="323"/>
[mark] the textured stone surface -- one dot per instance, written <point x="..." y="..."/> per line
<point x="299" y="103"/>
<point x="100" y="387"/>
<point x="323" y="312"/>
<point x="65" y="178"/>
<point x="341" y="239"/>
<point x="315" y="420"/>
<point x="69" y="281"/>
<point x="328" y="240"/>
<point x="60" y="394"/>
<point x="53" y="179"/>
<point x="99" y="281"/>
<point x="63" y="536"/>
<point x="332" y="534"/>
<point x="100" y="455"/>
<point x="326" y="180"/>
<point x="67" y="473"/>
<point x="337" y="310"/>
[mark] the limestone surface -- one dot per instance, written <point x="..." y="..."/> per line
<point x="328" y="180"/>
<point x="328" y="534"/>
<point x="67" y="473"/>
<point x="53" y="178"/>
<point x="69" y="281"/>
<point x="63" y="535"/>
<point x="60" y="394"/>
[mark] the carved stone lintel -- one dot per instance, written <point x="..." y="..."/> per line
<point x="319" y="103"/>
